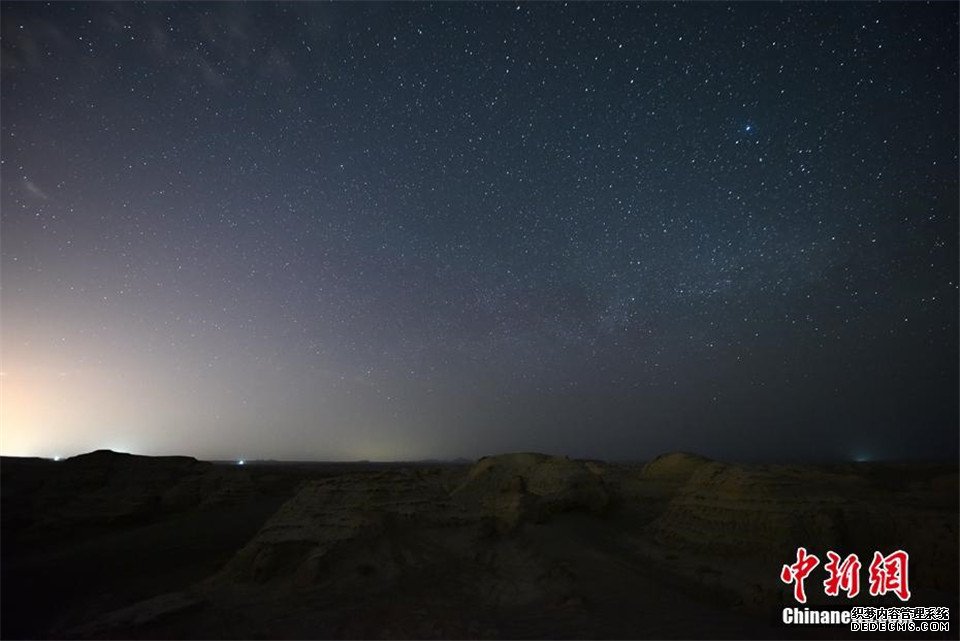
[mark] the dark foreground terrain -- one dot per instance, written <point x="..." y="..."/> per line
<point x="108" y="545"/>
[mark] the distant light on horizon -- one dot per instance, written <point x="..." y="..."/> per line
<point x="241" y="462"/>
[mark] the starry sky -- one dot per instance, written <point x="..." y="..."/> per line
<point x="405" y="230"/>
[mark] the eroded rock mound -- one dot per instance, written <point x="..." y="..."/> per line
<point x="352" y="529"/>
<point x="356" y="536"/>
<point x="763" y="512"/>
<point x="730" y="526"/>
<point x="513" y="488"/>
<point x="511" y="544"/>
<point x="675" y="467"/>
<point x="107" y="489"/>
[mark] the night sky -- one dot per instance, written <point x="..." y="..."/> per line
<point x="404" y="231"/>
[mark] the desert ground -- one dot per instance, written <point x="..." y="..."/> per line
<point x="108" y="545"/>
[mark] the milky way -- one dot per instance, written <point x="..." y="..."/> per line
<point x="395" y="231"/>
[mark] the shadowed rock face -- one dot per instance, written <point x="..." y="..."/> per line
<point x="516" y="545"/>
<point x="735" y="525"/>
<point x="105" y="488"/>
<point x="88" y="535"/>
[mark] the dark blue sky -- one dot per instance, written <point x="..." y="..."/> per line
<point x="414" y="230"/>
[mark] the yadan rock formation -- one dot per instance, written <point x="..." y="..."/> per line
<point x="516" y="545"/>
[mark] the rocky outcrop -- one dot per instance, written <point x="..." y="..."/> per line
<point x="366" y="534"/>
<point x="383" y="520"/>
<point x="529" y="542"/>
<point x="732" y="526"/>
<point x="675" y="467"/>
<point x="732" y="509"/>
<point x="352" y="528"/>
<point x="513" y="488"/>
<point x="106" y="489"/>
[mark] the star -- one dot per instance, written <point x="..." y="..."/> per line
<point x="308" y="222"/>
